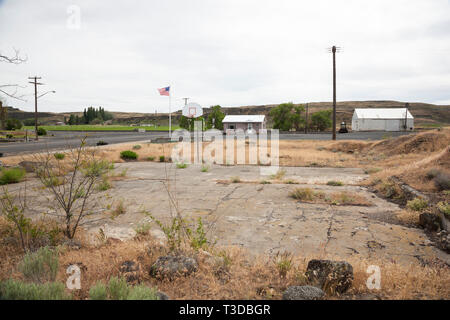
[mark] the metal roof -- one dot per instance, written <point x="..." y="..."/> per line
<point x="244" y="118"/>
<point x="383" y="113"/>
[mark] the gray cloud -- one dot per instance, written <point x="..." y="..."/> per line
<point x="227" y="52"/>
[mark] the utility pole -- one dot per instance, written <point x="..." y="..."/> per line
<point x="35" y="102"/>
<point x="306" y="119"/>
<point x="185" y="100"/>
<point x="334" y="49"/>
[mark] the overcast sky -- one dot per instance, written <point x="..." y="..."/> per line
<point x="227" y="52"/>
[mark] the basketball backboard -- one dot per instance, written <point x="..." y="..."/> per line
<point x="192" y="110"/>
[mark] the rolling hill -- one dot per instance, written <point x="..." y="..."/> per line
<point x="424" y="113"/>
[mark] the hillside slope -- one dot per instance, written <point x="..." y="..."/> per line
<point x="424" y="113"/>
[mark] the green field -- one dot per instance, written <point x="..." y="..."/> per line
<point x="87" y="127"/>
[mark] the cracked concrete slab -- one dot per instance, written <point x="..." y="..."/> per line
<point x="262" y="217"/>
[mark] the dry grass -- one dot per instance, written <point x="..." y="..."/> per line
<point x="374" y="157"/>
<point x="234" y="274"/>
<point x="334" y="198"/>
<point x="408" y="217"/>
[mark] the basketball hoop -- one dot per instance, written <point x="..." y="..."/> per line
<point x="192" y="110"/>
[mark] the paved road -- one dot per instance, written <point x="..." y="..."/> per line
<point x="63" y="139"/>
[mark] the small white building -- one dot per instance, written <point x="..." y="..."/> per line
<point x="382" y="119"/>
<point x="244" y="122"/>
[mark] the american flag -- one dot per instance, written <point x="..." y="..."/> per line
<point x="164" y="91"/>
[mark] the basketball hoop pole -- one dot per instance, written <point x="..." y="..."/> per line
<point x="170" y="115"/>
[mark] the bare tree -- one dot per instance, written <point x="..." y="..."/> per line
<point x="10" y="90"/>
<point x="13" y="207"/>
<point x="71" y="180"/>
<point x="15" y="58"/>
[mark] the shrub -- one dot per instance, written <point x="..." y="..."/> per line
<point x="40" y="266"/>
<point x="120" y="209"/>
<point x="41" y="131"/>
<point x="123" y="173"/>
<point x="388" y="189"/>
<point x="52" y="182"/>
<point x="302" y="194"/>
<point x="59" y="156"/>
<point x="102" y="143"/>
<point x="264" y="182"/>
<point x="18" y="290"/>
<point x="283" y="262"/>
<point x="98" y="292"/>
<point x="290" y="181"/>
<point x="235" y="179"/>
<point x="204" y="169"/>
<point x="150" y="158"/>
<point x="128" y="155"/>
<point x="13" y="175"/>
<point x="143" y="229"/>
<point x="418" y="204"/>
<point x="142" y="292"/>
<point x="335" y="183"/>
<point x="162" y="158"/>
<point x="104" y="184"/>
<point x="442" y="181"/>
<point x="118" y="289"/>
<point x="13" y="124"/>
<point x="181" y="165"/>
<point x="444" y="207"/>
<point x="137" y="147"/>
<point x="279" y="175"/>
<point x="198" y="237"/>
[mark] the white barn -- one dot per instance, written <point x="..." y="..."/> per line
<point x="382" y="119"/>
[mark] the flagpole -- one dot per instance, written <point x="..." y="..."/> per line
<point x="170" y="115"/>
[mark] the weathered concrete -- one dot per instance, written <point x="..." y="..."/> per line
<point x="262" y="217"/>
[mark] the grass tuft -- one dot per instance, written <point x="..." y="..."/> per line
<point x="13" y="175"/>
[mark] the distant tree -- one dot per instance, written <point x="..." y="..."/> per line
<point x="90" y="114"/>
<point x="298" y="121"/>
<point x="13" y="124"/>
<point x="287" y="116"/>
<point x="3" y="115"/>
<point x="29" y="122"/>
<point x="72" y="120"/>
<point x="216" y="116"/>
<point x="188" y="123"/>
<point x="184" y="123"/>
<point x="321" y="119"/>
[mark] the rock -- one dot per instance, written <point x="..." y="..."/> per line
<point x="129" y="266"/>
<point x="303" y="293"/>
<point x="336" y="276"/>
<point x="429" y="221"/>
<point x="130" y="270"/>
<point x="162" y="296"/>
<point x="444" y="240"/>
<point x="30" y="166"/>
<point x="172" y="266"/>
